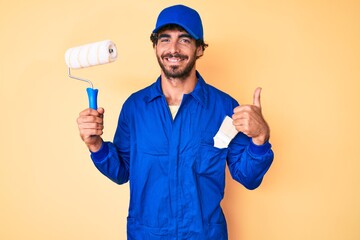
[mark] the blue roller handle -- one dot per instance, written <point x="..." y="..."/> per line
<point x="92" y="95"/>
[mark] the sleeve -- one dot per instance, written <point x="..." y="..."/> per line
<point x="112" y="159"/>
<point x="248" y="163"/>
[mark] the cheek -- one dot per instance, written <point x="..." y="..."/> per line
<point x="158" y="53"/>
<point x="156" y="50"/>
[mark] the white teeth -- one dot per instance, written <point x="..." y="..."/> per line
<point x="174" y="59"/>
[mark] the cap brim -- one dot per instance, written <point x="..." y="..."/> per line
<point x="179" y="24"/>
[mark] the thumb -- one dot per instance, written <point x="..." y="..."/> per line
<point x="256" y="99"/>
<point x="101" y="110"/>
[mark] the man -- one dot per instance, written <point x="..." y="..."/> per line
<point x="170" y="143"/>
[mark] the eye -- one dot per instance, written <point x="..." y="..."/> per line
<point x="164" y="40"/>
<point x="185" y="40"/>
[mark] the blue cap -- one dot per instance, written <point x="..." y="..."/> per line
<point x="185" y="17"/>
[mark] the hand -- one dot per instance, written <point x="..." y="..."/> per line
<point x="249" y="120"/>
<point x="91" y="125"/>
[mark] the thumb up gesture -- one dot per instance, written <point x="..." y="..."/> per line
<point x="249" y="120"/>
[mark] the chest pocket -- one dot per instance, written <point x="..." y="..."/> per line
<point x="210" y="160"/>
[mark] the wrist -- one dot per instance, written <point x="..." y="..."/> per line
<point x="261" y="139"/>
<point x="258" y="141"/>
<point x="95" y="147"/>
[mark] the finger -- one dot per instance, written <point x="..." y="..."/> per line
<point x="90" y="119"/>
<point x="240" y="121"/>
<point x="92" y="112"/>
<point x="240" y="116"/>
<point x="91" y="126"/>
<point x="256" y="99"/>
<point x="237" y="109"/>
<point x="242" y="108"/>
<point x="88" y="133"/>
<point x="88" y="112"/>
<point x="101" y="111"/>
<point x="242" y="127"/>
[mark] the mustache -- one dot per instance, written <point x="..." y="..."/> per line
<point x="176" y="55"/>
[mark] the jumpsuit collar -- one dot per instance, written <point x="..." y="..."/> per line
<point x="199" y="93"/>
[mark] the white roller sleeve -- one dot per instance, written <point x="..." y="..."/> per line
<point x="91" y="54"/>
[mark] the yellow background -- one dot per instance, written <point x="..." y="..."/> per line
<point x="305" y="55"/>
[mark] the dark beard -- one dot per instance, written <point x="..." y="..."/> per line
<point x="175" y="72"/>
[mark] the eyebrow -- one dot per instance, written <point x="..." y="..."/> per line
<point x="164" y="35"/>
<point x="184" y="35"/>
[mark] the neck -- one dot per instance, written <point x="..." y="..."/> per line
<point x="175" y="88"/>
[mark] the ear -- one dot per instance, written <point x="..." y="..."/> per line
<point x="199" y="51"/>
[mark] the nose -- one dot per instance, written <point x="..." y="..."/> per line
<point x="174" y="47"/>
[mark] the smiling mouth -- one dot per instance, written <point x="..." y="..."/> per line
<point x="174" y="58"/>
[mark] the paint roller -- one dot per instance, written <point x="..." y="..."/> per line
<point x="88" y="55"/>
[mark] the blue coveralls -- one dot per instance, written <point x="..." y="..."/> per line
<point x="176" y="175"/>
